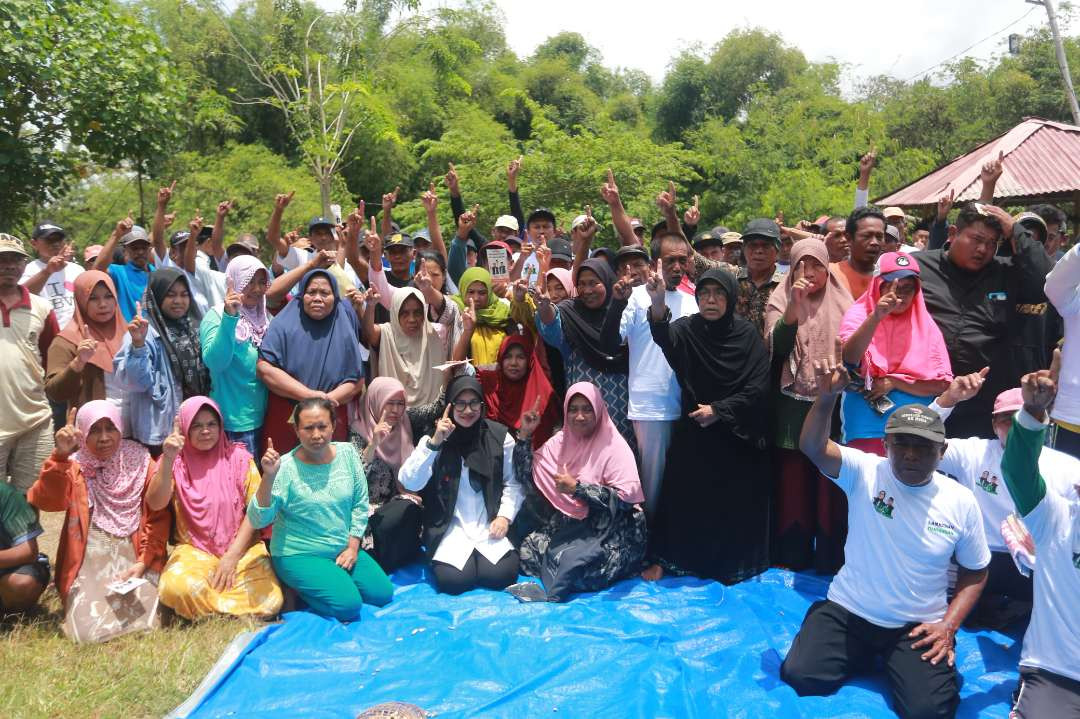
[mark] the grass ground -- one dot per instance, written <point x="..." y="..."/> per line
<point x="44" y="674"/>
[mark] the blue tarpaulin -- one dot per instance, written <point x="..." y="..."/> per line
<point x="678" y="648"/>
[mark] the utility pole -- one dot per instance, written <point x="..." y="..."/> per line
<point x="1062" y="61"/>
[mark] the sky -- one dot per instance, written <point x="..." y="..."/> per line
<point x="871" y="37"/>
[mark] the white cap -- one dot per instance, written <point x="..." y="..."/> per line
<point x="577" y="221"/>
<point x="508" y="221"/>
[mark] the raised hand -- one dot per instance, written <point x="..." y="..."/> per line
<point x="666" y="199"/>
<point x="944" y="204"/>
<point x="196" y="224"/>
<point x="356" y="297"/>
<point x="68" y="438"/>
<point x="372" y="296"/>
<point x="322" y="259"/>
<point x="468" y="317"/>
<point x="422" y="280"/>
<point x="233" y="301"/>
<point x="655" y="285"/>
<point x="282" y="201"/>
<point x="467" y="222"/>
<point x="886" y="304"/>
<point x="543" y="256"/>
<point x="540" y="296"/>
<point x="704" y="415"/>
<point x="867" y="162"/>
<point x="452" y="181"/>
<point x="527" y="248"/>
<point x="174" y="443"/>
<point x="800" y="286"/>
<point x="832" y="376"/>
<point x="1006" y="221"/>
<point x="124" y="225"/>
<point x="693" y="216"/>
<point x="992" y="169"/>
<point x="164" y="194"/>
<point x="271" y="460"/>
<point x="381" y="430"/>
<point x="60" y="259"/>
<point x="622" y="289"/>
<point x="224" y="207"/>
<point x="138" y="327"/>
<point x="390" y="199"/>
<point x="587" y="230"/>
<point x="1040" y="388"/>
<point x="963" y="388"/>
<point x="443" y="428"/>
<point x="513" y="168"/>
<point x="610" y="191"/>
<point x="519" y="289"/>
<point x="373" y="241"/>
<point x="430" y="200"/>
<point x="530" y="420"/>
<point x="85" y="350"/>
<point x="564" y="481"/>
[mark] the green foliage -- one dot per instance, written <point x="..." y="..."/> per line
<point x="249" y="174"/>
<point x="748" y="124"/>
<point x="83" y="80"/>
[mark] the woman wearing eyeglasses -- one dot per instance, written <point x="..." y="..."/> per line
<point x="472" y="489"/>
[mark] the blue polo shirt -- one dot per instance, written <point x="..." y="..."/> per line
<point x="130" y="286"/>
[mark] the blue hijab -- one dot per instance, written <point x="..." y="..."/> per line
<point x="320" y="354"/>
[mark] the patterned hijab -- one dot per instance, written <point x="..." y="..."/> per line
<point x="114" y="486"/>
<point x="180" y="337"/>
<point x="253" y="321"/>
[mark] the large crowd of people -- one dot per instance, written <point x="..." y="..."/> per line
<point x="226" y="436"/>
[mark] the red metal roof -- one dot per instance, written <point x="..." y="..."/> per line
<point x="1041" y="158"/>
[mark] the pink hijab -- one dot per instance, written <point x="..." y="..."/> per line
<point x="602" y="458"/>
<point x="565" y="279"/>
<point x="253" y="322"/>
<point x="908" y="347"/>
<point x="399" y="443"/>
<point x="211" y="485"/>
<point x="114" y="486"/>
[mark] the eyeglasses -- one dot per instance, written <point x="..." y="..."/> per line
<point x="469" y="404"/>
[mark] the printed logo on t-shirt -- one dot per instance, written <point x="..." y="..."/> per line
<point x="883" y="505"/>
<point x="988" y="482"/>
<point x="943" y="528"/>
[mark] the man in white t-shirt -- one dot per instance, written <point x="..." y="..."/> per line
<point x="906" y="524"/>
<point x="655" y="397"/>
<point x="1050" y="659"/>
<point x="976" y="463"/>
<point x="53" y="274"/>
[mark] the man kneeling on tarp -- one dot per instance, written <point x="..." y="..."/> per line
<point x="889" y="598"/>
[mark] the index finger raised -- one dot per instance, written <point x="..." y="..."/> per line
<point x="71" y="413"/>
<point x="446" y="412"/>
<point x="839" y="350"/>
<point x="1055" y="365"/>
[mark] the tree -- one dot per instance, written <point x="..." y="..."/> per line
<point x="83" y="81"/>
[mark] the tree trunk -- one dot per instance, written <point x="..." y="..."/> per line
<point x="324" y="192"/>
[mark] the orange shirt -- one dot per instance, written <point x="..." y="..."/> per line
<point x="855" y="282"/>
<point x="62" y="488"/>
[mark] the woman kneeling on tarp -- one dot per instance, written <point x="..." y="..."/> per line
<point x="316" y="497"/>
<point x="587" y="472"/>
<point x="217" y="565"/>
<point x="110" y="532"/>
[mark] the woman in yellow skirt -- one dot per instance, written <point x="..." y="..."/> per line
<point x="218" y="565"/>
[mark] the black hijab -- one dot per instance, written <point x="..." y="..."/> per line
<point x="179" y="337"/>
<point x="472" y="446"/>
<point x="581" y="325"/>
<point x="724" y="363"/>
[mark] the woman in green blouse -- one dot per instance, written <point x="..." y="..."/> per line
<point x="316" y="497"/>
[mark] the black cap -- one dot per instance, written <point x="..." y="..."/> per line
<point x="705" y="239"/>
<point x="658" y="227"/>
<point x="606" y="252"/>
<point x="179" y="237"/>
<point x="540" y="213"/>
<point x="398" y="239"/>
<point x="718" y="230"/>
<point x="204" y="234"/>
<point x="631" y="251"/>
<point x="320" y="222"/>
<point x="918" y="420"/>
<point x="762" y="228"/>
<point x="47" y="228"/>
<point x="560" y="249"/>
<point x="512" y="240"/>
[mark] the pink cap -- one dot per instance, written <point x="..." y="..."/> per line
<point x="1010" y="400"/>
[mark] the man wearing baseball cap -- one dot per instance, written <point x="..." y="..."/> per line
<point x="28" y="328"/>
<point x="731" y="245"/>
<point x="53" y="274"/>
<point x="895" y="217"/>
<point x="907" y="523"/>
<point x="1049" y="671"/>
<point x="757" y="280"/>
<point x="709" y="245"/>
<point x="976" y="463"/>
<point x="131" y="277"/>
<point x="322" y="233"/>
